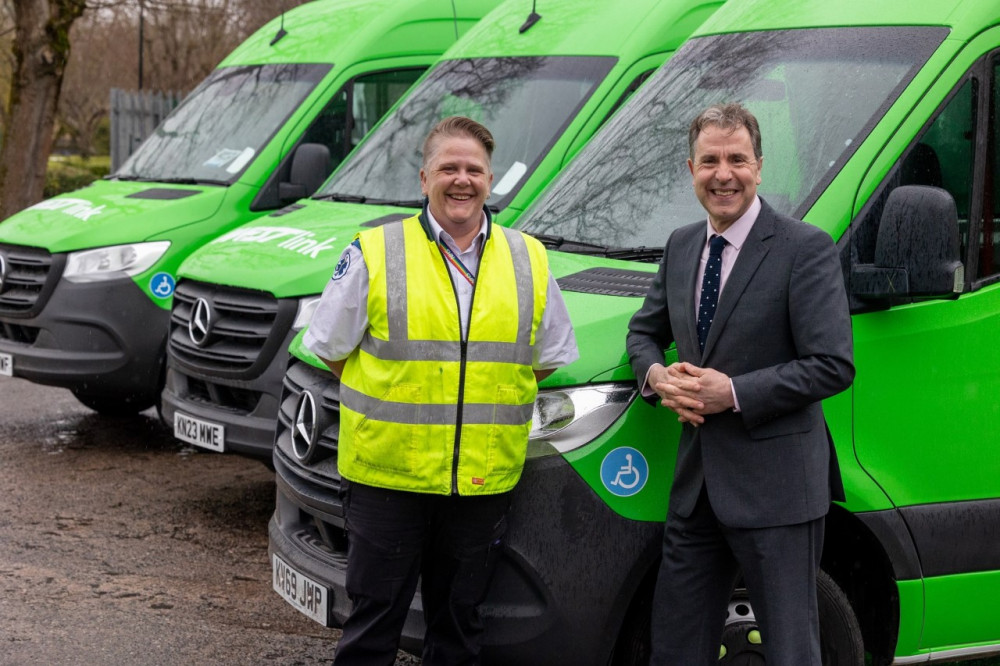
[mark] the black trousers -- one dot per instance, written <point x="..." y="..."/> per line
<point x="702" y="560"/>
<point x="451" y="543"/>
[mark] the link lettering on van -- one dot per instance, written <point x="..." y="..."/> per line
<point x="298" y="240"/>
<point x="79" y="208"/>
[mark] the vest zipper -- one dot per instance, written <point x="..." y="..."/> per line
<point x="463" y="345"/>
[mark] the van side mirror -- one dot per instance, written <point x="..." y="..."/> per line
<point x="917" y="250"/>
<point x="309" y="169"/>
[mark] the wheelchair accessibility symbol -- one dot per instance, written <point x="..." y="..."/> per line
<point x="624" y="471"/>
<point x="162" y="285"/>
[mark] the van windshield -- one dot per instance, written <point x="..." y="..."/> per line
<point x="525" y="102"/>
<point x="223" y="124"/>
<point x="816" y="94"/>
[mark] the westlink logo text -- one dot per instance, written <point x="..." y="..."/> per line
<point x="297" y="240"/>
<point x="79" y="208"/>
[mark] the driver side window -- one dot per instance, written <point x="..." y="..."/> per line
<point x="942" y="156"/>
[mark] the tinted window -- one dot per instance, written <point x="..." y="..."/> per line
<point x="816" y="93"/>
<point x="525" y="103"/>
<point x="223" y="124"/>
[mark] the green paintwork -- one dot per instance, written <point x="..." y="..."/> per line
<point x="354" y="36"/>
<point x="916" y="428"/>
<point x="639" y="39"/>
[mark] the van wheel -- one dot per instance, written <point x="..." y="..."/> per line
<point x="839" y="633"/>
<point x="632" y="647"/>
<point x="113" y="405"/>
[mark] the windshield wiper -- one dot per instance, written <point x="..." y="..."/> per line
<point x="172" y="181"/>
<point x="401" y="203"/>
<point x="564" y="244"/>
<point x="552" y="242"/>
<point x="646" y="254"/>
<point x="336" y="196"/>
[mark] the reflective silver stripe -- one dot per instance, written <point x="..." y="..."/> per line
<point x="440" y="350"/>
<point x="525" y="283"/>
<point x="423" y="414"/>
<point x="395" y="281"/>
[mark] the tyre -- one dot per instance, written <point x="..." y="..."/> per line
<point x="840" y="635"/>
<point x="742" y="643"/>
<point x="113" y="405"/>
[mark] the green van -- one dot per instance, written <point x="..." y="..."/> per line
<point x="87" y="278"/>
<point x="880" y="125"/>
<point x="543" y="87"/>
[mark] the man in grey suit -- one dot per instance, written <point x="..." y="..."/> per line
<point x="755" y="302"/>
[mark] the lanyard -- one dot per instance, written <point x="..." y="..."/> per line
<point x="453" y="259"/>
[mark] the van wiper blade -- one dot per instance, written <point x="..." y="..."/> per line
<point x="569" y="245"/>
<point x="401" y="203"/>
<point x="552" y="242"/>
<point x="337" y="196"/>
<point x="647" y="254"/>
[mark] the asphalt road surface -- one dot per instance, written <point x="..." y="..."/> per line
<point x="121" y="545"/>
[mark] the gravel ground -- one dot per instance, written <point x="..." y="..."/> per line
<point x="120" y="545"/>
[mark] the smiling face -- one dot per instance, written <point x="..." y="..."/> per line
<point x="456" y="179"/>
<point x="725" y="173"/>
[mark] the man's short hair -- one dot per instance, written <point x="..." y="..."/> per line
<point x="729" y="118"/>
<point x="458" y="126"/>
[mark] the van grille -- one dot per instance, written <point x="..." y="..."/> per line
<point x="318" y="465"/>
<point x="26" y="273"/>
<point x="245" y="328"/>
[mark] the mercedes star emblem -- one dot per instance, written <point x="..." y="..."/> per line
<point x="304" y="427"/>
<point x="200" y="325"/>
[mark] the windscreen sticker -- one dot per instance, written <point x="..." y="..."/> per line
<point x="222" y="158"/>
<point x="78" y="208"/>
<point x="161" y="285"/>
<point x="511" y="178"/>
<point x="297" y="240"/>
<point x="241" y="160"/>
<point x="624" y="471"/>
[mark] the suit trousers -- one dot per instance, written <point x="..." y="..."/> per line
<point x="702" y="561"/>
<point x="451" y="543"/>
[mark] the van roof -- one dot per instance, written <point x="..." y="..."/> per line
<point x="965" y="16"/>
<point x="338" y="31"/>
<point x="591" y="28"/>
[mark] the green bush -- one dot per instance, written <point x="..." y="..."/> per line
<point x="67" y="173"/>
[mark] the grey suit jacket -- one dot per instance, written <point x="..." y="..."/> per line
<point x="782" y="332"/>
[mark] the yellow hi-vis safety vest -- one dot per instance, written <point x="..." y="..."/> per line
<point x="421" y="410"/>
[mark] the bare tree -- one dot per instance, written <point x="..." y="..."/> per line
<point x="41" y="51"/>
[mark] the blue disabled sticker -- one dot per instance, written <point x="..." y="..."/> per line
<point x="624" y="471"/>
<point x="162" y="285"/>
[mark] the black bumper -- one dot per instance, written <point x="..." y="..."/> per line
<point x="99" y="338"/>
<point x="248" y="408"/>
<point x="569" y="571"/>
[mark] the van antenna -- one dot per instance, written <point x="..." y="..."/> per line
<point x="533" y="18"/>
<point x="281" y="30"/>
<point x="454" y="16"/>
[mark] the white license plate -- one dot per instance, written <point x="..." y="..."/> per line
<point x="6" y="365"/>
<point x="302" y="592"/>
<point x="200" y="433"/>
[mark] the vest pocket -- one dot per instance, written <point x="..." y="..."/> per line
<point x="388" y="441"/>
<point x="507" y="443"/>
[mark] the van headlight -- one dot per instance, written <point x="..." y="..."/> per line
<point x="307" y="307"/>
<point x="115" y="261"/>
<point x="566" y="419"/>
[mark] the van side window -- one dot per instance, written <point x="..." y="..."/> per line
<point x="989" y="250"/>
<point x="943" y="156"/>
<point x="355" y="109"/>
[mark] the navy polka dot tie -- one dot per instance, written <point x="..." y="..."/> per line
<point x="710" y="288"/>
